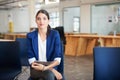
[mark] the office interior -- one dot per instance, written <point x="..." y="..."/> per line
<point x="87" y="24"/>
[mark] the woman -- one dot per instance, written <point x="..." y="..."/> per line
<point x="44" y="45"/>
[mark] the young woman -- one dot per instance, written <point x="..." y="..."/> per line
<point x="44" y="45"/>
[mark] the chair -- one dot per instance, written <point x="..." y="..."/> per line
<point x="10" y="65"/>
<point x="106" y="63"/>
<point x="61" y="65"/>
<point x="23" y="51"/>
<point x="23" y="54"/>
<point x="60" y="29"/>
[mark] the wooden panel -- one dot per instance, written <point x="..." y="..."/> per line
<point x="71" y="46"/>
<point x="91" y="44"/>
<point x="83" y="44"/>
<point x="13" y="36"/>
<point x="81" y="48"/>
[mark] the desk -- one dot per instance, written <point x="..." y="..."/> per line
<point x="13" y="36"/>
<point x="5" y="40"/>
<point x="78" y="45"/>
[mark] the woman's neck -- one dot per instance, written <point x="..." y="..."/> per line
<point x="42" y="33"/>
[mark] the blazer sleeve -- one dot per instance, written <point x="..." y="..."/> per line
<point x="58" y="52"/>
<point x="30" y="49"/>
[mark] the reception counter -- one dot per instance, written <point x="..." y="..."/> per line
<point x="3" y="40"/>
<point x="13" y="36"/>
<point x="78" y="45"/>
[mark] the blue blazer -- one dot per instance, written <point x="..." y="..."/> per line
<point x="53" y="47"/>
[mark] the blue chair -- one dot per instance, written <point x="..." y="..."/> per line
<point x="60" y="29"/>
<point x="106" y="63"/>
<point x="10" y="65"/>
<point x="23" y="51"/>
<point x="61" y="66"/>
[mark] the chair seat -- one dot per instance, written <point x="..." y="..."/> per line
<point x="24" y="61"/>
<point x="9" y="74"/>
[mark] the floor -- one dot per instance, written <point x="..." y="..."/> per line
<point x="76" y="68"/>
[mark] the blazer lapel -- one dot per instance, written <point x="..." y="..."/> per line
<point x="35" y="44"/>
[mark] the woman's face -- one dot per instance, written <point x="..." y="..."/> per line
<point x="42" y="21"/>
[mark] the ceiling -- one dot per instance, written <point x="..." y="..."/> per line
<point x="7" y="4"/>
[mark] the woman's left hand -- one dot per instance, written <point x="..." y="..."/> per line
<point x="38" y="66"/>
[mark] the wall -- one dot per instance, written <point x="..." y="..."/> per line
<point x="85" y="12"/>
<point x="85" y="6"/>
<point x="3" y="21"/>
<point x="103" y="19"/>
<point x="85" y="18"/>
<point x="69" y="14"/>
<point x="20" y="19"/>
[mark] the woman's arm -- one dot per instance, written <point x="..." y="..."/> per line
<point x="41" y="67"/>
<point x="50" y="67"/>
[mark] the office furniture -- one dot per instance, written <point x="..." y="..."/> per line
<point x="10" y="66"/>
<point x="23" y="54"/>
<point x="13" y="36"/>
<point x="23" y="51"/>
<point x="60" y="29"/>
<point x="6" y="40"/>
<point x="83" y="44"/>
<point x="106" y="63"/>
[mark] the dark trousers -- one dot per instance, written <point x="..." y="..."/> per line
<point x="41" y="75"/>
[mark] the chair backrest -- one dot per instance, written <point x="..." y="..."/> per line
<point x="106" y="63"/>
<point x="23" y="51"/>
<point x="10" y="65"/>
<point x="60" y="29"/>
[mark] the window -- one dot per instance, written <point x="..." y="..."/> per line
<point x="76" y="24"/>
<point x="54" y="19"/>
<point x="51" y="1"/>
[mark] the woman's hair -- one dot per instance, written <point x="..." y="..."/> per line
<point x="47" y="14"/>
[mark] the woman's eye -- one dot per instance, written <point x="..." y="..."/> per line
<point x="44" y="18"/>
<point x="38" y="19"/>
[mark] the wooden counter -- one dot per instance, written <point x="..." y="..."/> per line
<point x="78" y="45"/>
<point x="2" y="40"/>
<point x="13" y="36"/>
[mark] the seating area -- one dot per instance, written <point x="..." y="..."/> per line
<point x="89" y="31"/>
<point x="102" y="65"/>
<point x="106" y="63"/>
<point x="10" y="66"/>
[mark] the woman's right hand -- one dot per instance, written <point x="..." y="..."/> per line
<point x="37" y="66"/>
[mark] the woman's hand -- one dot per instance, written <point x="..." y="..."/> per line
<point x="57" y="74"/>
<point x="37" y="66"/>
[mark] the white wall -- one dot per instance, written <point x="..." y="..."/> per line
<point x="20" y="19"/>
<point x="3" y="21"/>
<point x="85" y="18"/>
<point x="29" y="16"/>
<point x="69" y="14"/>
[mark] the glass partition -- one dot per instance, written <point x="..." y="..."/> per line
<point x="105" y="19"/>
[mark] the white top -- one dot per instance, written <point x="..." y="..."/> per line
<point x="42" y="51"/>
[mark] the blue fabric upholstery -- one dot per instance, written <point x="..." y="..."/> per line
<point x="60" y="29"/>
<point x="61" y="66"/>
<point x="106" y="63"/>
<point x="10" y="65"/>
<point x="23" y="51"/>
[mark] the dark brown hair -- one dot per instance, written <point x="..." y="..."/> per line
<point x="47" y="14"/>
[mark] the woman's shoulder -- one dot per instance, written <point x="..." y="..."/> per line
<point x="32" y="34"/>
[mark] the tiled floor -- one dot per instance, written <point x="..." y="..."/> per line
<point x="79" y="68"/>
<point x="76" y="68"/>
